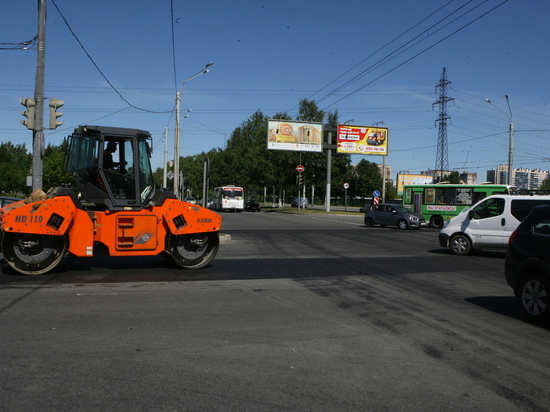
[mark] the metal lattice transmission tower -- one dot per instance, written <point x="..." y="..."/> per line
<point x="442" y="157"/>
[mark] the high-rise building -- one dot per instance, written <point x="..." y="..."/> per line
<point x="468" y="178"/>
<point x="387" y="172"/>
<point x="530" y="179"/>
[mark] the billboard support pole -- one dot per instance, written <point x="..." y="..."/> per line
<point x="383" y="179"/>
<point x="329" y="171"/>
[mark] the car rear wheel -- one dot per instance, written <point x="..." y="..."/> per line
<point x="402" y="224"/>
<point x="460" y="245"/>
<point x="369" y="222"/>
<point x="534" y="290"/>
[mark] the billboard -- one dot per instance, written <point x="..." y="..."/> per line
<point x="293" y="135"/>
<point x="411" y="179"/>
<point x="366" y="140"/>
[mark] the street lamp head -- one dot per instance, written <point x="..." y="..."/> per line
<point x="487" y="100"/>
<point x="208" y="65"/>
<point x="506" y="96"/>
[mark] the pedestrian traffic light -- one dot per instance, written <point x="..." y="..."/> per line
<point x="29" y="103"/>
<point x="54" y="105"/>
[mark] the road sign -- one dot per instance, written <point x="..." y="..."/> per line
<point x="346" y="185"/>
<point x="376" y="200"/>
<point x="300" y="168"/>
<point x="376" y="193"/>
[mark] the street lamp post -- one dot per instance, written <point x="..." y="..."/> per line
<point x="177" y="129"/>
<point x="510" y="137"/>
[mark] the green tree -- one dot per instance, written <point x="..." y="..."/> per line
<point x="391" y="191"/>
<point x="192" y="168"/>
<point x="453" y="177"/>
<point x="52" y="167"/>
<point x="247" y="156"/>
<point x="15" y="166"/>
<point x="309" y="111"/>
<point x="545" y="185"/>
<point x="247" y="162"/>
<point x="368" y="178"/>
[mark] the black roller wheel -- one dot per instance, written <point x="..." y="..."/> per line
<point x="32" y="254"/>
<point x="194" y="250"/>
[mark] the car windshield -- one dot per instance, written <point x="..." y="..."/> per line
<point x="232" y="193"/>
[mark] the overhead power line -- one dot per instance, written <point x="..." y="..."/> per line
<point x="24" y="45"/>
<point x="374" y="53"/>
<point x="380" y="62"/>
<point x="403" y="47"/>
<point x="99" y="70"/>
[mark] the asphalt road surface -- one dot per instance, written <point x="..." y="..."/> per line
<point x="298" y="312"/>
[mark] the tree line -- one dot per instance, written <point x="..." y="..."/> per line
<point x="16" y="166"/>
<point x="245" y="161"/>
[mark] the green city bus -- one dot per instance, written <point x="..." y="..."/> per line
<point x="443" y="201"/>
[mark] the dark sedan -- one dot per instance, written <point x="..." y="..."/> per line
<point x="392" y="215"/>
<point x="252" y="206"/>
<point x="4" y="201"/>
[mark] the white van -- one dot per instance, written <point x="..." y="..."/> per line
<point x="488" y="224"/>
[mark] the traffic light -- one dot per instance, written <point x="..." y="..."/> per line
<point x="29" y="103"/>
<point x="300" y="180"/>
<point x="54" y="105"/>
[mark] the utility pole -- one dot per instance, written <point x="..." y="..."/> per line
<point x="509" y="174"/>
<point x="442" y="157"/>
<point x="177" y="148"/>
<point x="165" y="171"/>
<point x="177" y="191"/>
<point x="38" y="132"/>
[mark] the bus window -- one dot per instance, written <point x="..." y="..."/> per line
<point x="464" y="196"/>
<point x="430" y="196"/>
<point x="444" y="196"/>
<point x="408" y="195"/>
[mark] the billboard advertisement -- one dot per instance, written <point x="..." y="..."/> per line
<point x="411" y="179"/>
<point x="293" y="135"/>
<point x="366" y="140"/>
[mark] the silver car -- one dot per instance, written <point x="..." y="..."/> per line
<point x="392" y="215"/>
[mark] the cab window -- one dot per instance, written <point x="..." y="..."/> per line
<point x="489" y="208"/>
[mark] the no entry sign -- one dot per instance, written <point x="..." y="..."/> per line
<point x="300" y="168"/>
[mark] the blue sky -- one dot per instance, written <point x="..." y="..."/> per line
<point x="269" y="55"/>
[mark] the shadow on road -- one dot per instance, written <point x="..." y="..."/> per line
<point x="503" y="305"/>
<point x="499" y="254"/>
